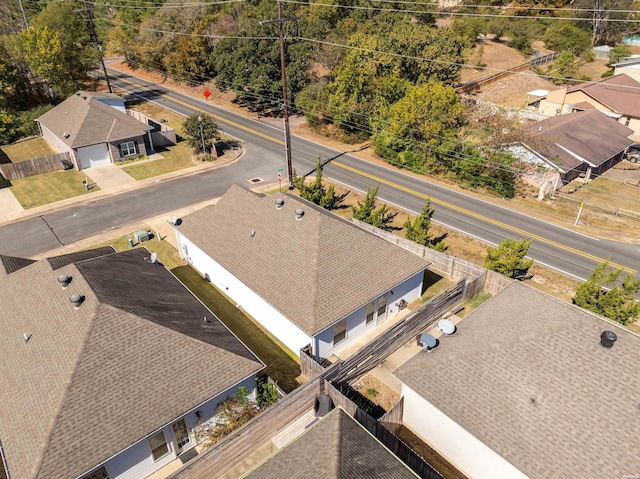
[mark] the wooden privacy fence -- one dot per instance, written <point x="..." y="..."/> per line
<point x="392" y="442"/>
<point x="35" y="166"/>
<point x="478" y="278"/>
<point x="308" y="366"/>
<point x="162" y="135"/>
<point x="397" y="335"/>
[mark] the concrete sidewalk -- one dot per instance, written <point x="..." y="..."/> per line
<point x="114" y="184"/>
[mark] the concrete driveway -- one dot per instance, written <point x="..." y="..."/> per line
<point x="108" y="177"/>
<point x="9" y="205"/>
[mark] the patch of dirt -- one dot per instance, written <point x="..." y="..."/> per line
<point x="377" y="391"/>
<point x="490" y="57"/>
<point x="512" y="90"/>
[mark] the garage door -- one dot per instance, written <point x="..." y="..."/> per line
<point x="96" y="155"/>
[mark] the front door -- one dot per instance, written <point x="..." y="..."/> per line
<point x="182" y="435"/>
<point x="382" y="308"/>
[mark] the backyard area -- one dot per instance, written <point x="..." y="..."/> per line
<point x="25" y="150"/>
<point x="282" y="366"/>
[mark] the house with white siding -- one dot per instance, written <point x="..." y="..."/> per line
<point x="308" y="276"/>
<point x="108" y="365"/>
<point x="529" y="387"/>
<point x="94" y="128"/>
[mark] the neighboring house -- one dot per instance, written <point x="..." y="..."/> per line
<point x="95" y="130"/>
<point x="307" y="275"/>
<point x="629" y="66"/>
<point x="585" y="142"/>
<point x="616" y="96"/>
<point x="335" y="447"/>
<point x="524" y="389"/>
<point x="107" y="366"/>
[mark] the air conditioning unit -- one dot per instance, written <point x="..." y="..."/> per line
<point x="142" y="235"/>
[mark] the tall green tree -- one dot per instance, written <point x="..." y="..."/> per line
<point x="367" y="212"/>
<point x="316" y="192"/>
<point x="57" y="49"/>
<point x="618" y="303"/>
<point x="198" y="129"/>
<point x="418" y="230"/>
<point x="508" y="258"/>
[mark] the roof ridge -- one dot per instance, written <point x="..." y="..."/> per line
<point x="336" y="452"/>
<point x="54" y="425"/>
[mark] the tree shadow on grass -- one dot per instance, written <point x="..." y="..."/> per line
<point x="4" y="159"/>
<point x="4" y="183"/>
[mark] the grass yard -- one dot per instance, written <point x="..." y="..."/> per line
<point x="27" y="149"/>
<point x="280" y="366"/>
<point x="173" y="120"/>
<point x="48" y="188"/>
<point x="174" y="158"/>
<point x="167" y="254"/>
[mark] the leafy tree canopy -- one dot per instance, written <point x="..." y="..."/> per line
<point x="618" y="303"/>
<point x="199" y="128"/>
<point x="316" y="192"/>
<point x="508" y="258"/>
<point x="368" y="213"/>
<point x="418" y="230"/>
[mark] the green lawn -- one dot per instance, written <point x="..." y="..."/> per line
<point x="25" y="150"/>
<point x="48" y="188"/>
<point x="167" y="254"/>
<point x="280" y="366"/>
<point x="174" y="158"/>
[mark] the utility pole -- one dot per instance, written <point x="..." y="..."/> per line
<point x="94" y="37"/>
<point x="285" y="101"/>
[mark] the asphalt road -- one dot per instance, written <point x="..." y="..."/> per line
<point x="560" y="248"/>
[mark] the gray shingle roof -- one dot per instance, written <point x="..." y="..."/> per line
<point x="526" y="375"/>
<point x="590" y="134"/>
<point x="89" y="381"/>
<point x="335" y="447"/>
<point x="315" y="270"/>
<point x="88" y="121"/>
<point x="13" y="263"/>
<point x="63" y="260"/>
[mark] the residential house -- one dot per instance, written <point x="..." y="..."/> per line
<point x="586" y="142"/>
<point x="108" y="364"/>
<point x="305" y="274"/>
<point x="335" y="447"/>
<point x="526" y="389"/>
<point x="616" y="96"/>
<point x="95" y="130"/>
<point x="629" y="66"/>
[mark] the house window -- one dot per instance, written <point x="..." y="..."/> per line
<point x="339" y="331"/>
<point x="382" y="305"/>
<point x="370" y="310"/>
<point x="627" y="121"/>
<point x="97" y="474"/>
<point x="158" y="445"/>
<point x="128" y="148"/>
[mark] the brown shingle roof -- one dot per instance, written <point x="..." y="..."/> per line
<point x="526" y="375"/>
<point x="589" y="134"/>
<point x="88" y="382"/>
<point x="620" y="93"/>
<point x="335" y="447"/>
<point x="88" y="121"/>
<point x="315" y="270"/>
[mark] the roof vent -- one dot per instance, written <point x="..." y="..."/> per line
<point x="64" y="280"/>
<point x="279" y="203"/>
<point x="299" y="213"/>
<point x="84" y="97"/>
<point x="607" y="338"/>
<point x="66" y="135"/>
<point x="77" y="300"/>
<point x="26" y="337"/>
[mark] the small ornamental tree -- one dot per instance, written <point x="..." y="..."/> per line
<point x="368" y="213"/>
<point x="196" y="136"/>
<point x="315" y="192"/>
<point x="618" y="303"/>
<point x="508" y="258"/>
<point x="418" y="230"/>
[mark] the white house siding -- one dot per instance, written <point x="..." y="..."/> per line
<point x="462" y="449"/>
<point x="356" y="322"/>
<point x="136" y="462"/>
<point x="55" y="142"/>
<point x="265" y="314"/>
<point x="116" y="103"/>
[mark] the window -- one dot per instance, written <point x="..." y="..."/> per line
<point x="128" y="148"/>
<point x="627" y="121"/>
<point x="158" y="445"/>
<point x="339" y="331"/>
<point x="370" y="309"/>
<point x="97" y="474"/>
<point x="382" y="305"/>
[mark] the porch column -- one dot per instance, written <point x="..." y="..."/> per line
<point x="150" y="142"/>
<point x="588" y="175"/>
